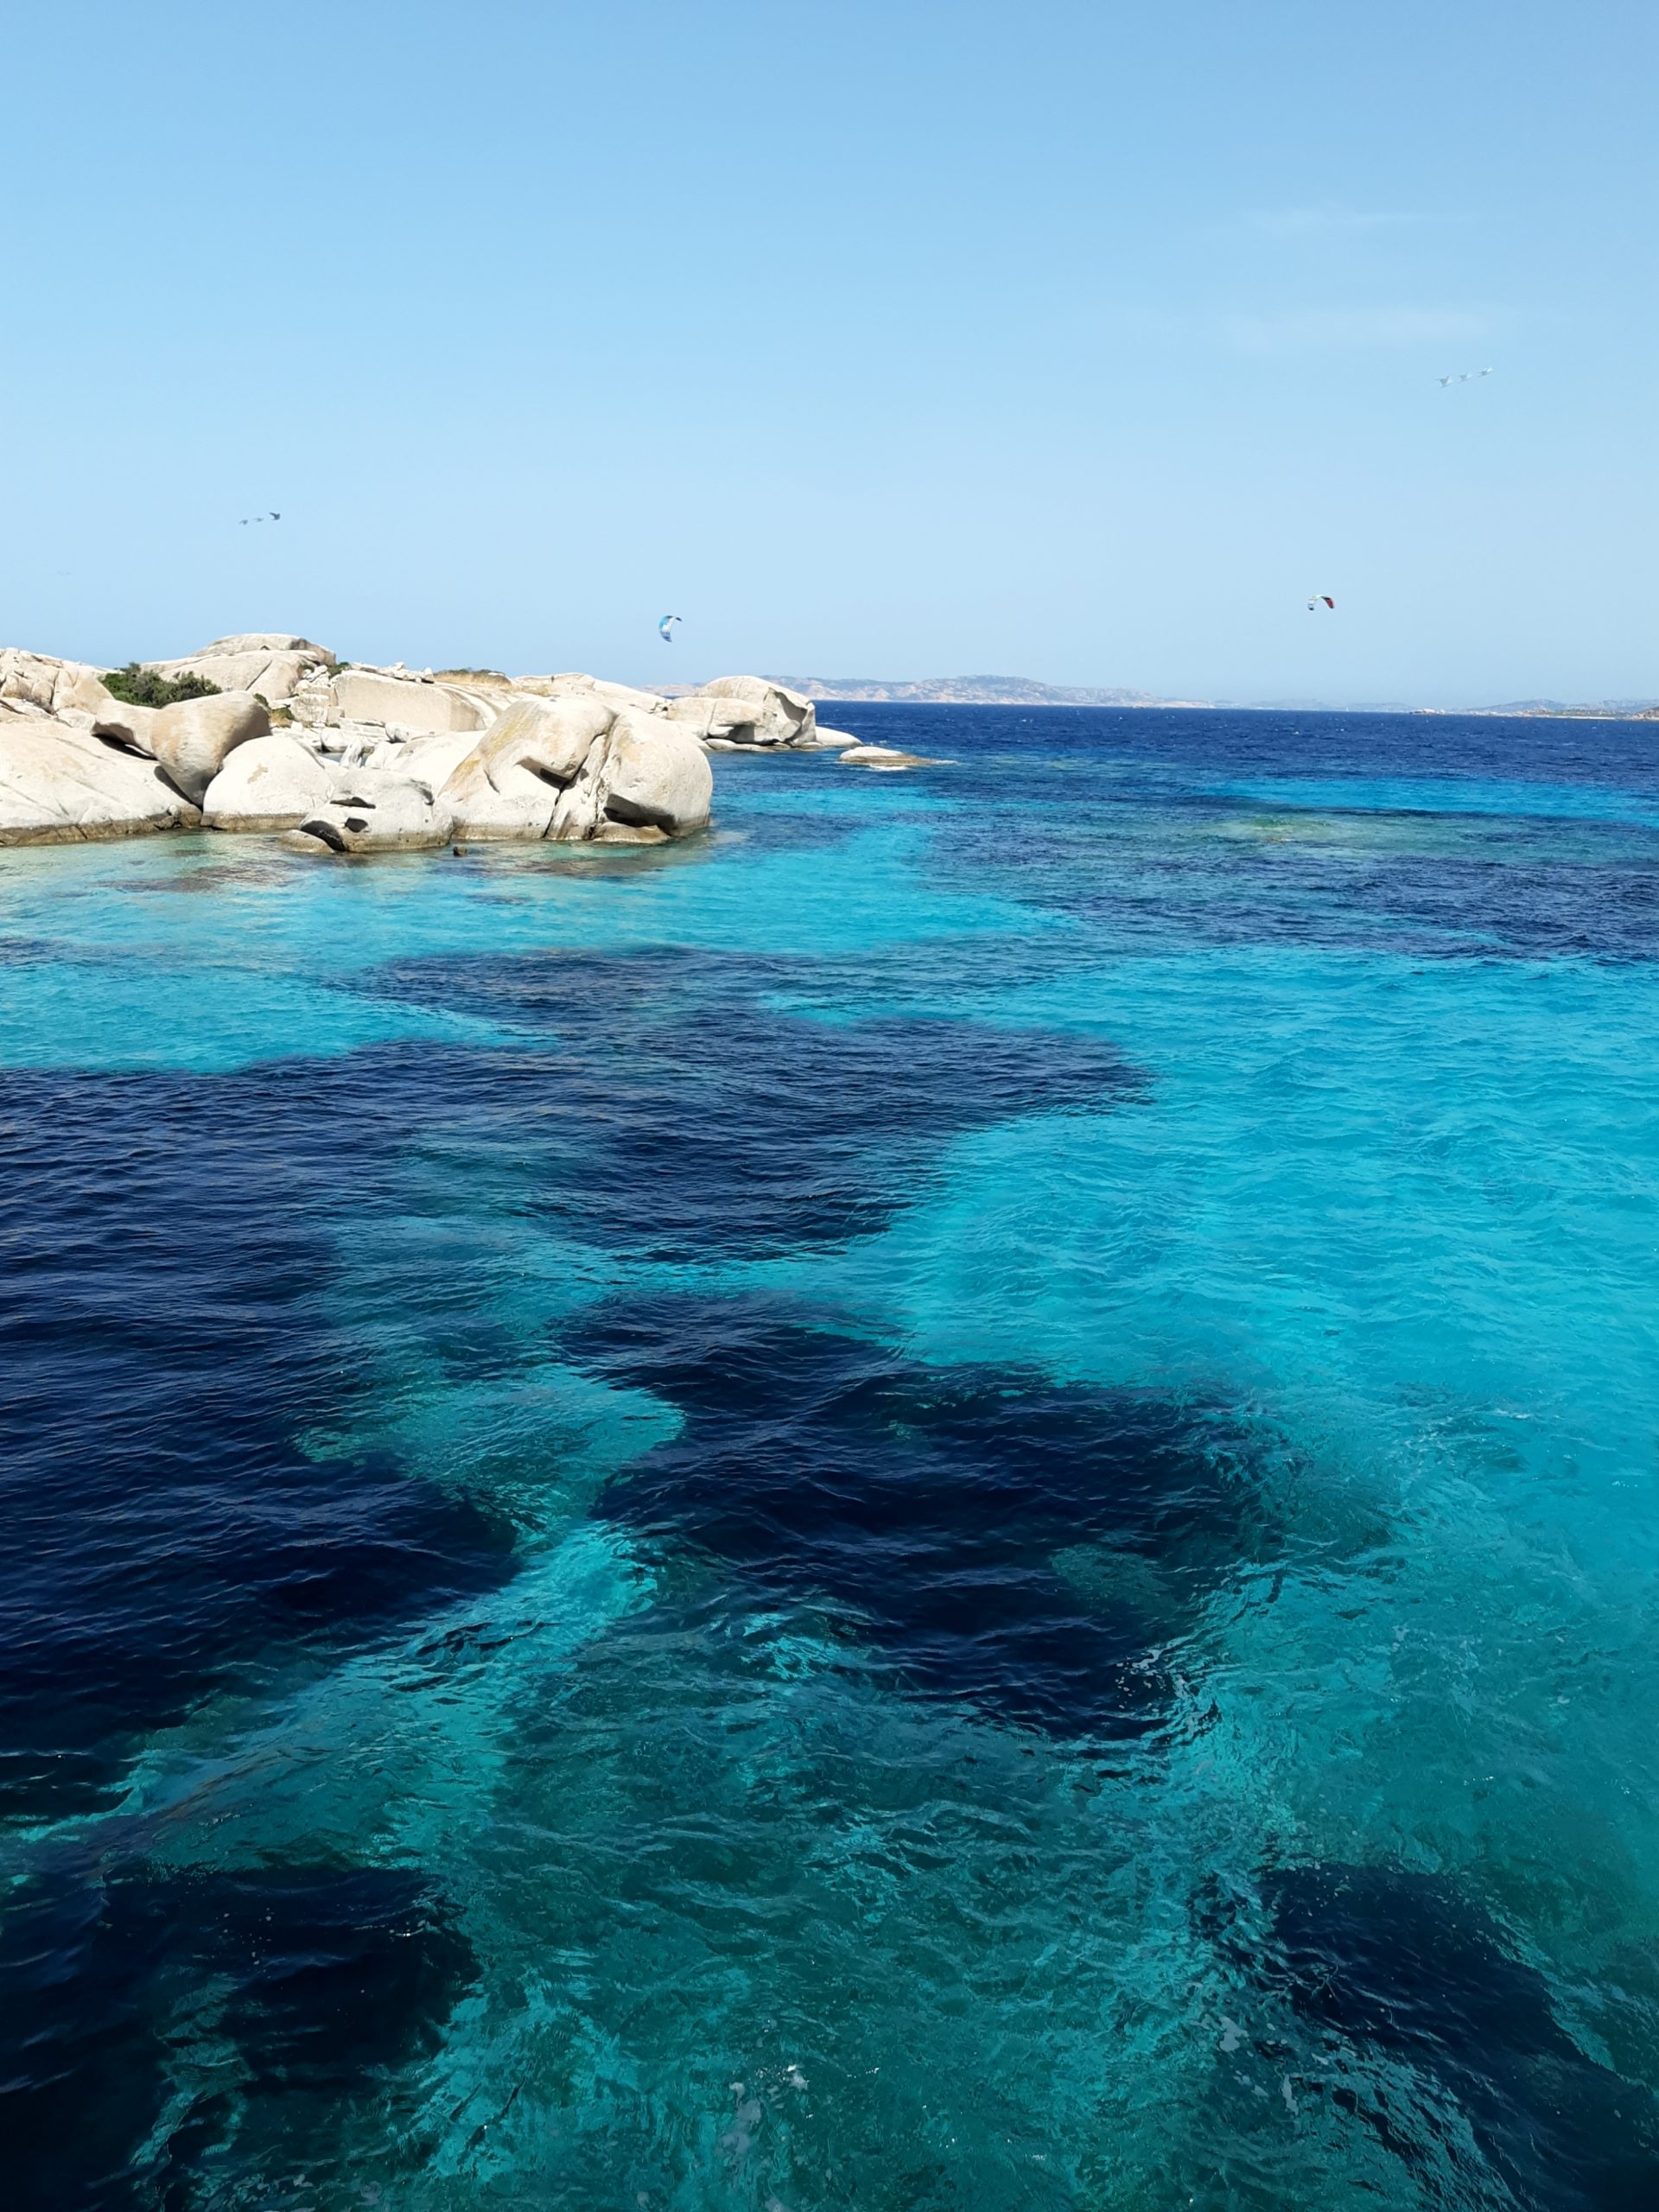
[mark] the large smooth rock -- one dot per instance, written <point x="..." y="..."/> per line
<point x="193" y="739"/>
<point x="49" y="686"/>
<point x="775" y="715"/>
<point x="573" y="683"/>
<point x="272" y="663"/>
<point x="429" y="757"/>
<point x="656" y="777"/>
<point x="59" y="784"/>
<point x="115" y="717"/>
<point x="410" y="703"/>
<point x="367" y="812"/>
<point x="269" y="783"/>
<point x="511" y="784"/>
<point x="716" y="720"/>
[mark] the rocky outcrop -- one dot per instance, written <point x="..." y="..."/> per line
<point x="573" y="684"/>
<point x="743" y="711"/>
<point x="573" y="771"/>
<point x="511" y="783"/>
<point x="269" y="783"/>
<point x="430" y="757"/>
<point x="366" y="695"/>
<point x="38" y="683"/>
<point x="654" y="780"/>
<point x="374" y="813"/>
<point x="270" y="663"/>
<point x="59" y="784"/>
<point x="379" y="758"/>
<point x="193" y="739"/>
<point x="132" y="725"/>
<point x="886" y="757"/>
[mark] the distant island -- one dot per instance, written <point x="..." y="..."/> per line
<point x="972" y="691"/>
<point x="1026" y="691"/>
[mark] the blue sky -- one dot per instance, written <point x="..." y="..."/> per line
<point x="1076" y="341"/>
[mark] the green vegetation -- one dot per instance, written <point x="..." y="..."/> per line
<point x="144" y="687"/>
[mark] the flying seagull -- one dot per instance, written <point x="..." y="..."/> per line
<point x="1469" y="376"/>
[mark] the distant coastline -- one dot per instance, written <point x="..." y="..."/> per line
<point x="972" y="691"/>
<point x="1026" y="691"/>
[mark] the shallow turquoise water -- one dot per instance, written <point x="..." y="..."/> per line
<point x="1283" y="1091"/>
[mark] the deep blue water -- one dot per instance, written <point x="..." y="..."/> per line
<point x="951" y="1501"/>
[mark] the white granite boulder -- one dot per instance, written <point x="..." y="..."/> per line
<point x="751" y="711"/>
<point x="429" y="757"/>
<point x="193" y="738"/>
<point x="59" y="784"/>
<point x="724" y="723"/>
<point x="272" y="663"/>
<point x="655" y="778"/>
<point x="574" y="683"/>
<point x="40" y="683"/>
<point x="510" y="782"/>
<point x="132" y="725"/>
<point x="370" y="812"/>
<point x="368" y="695"/>
<point x="269" y="783"/>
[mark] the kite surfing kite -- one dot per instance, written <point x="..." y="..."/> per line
<point x="1321" y="598"/>
<point x="662" y="628"/>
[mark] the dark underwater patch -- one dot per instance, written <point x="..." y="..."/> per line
<point x="1028" y="1548"/>
<point x="323" y="1979"/>
<point x="167" y="1234"/>
<point x="1406" y="1967"/>
<point x="158" y="1263"/>
<point x="678" y="1114"/>
<point x="1040" y="798"/>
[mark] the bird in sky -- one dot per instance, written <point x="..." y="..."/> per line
<point x="1469" y="376"/>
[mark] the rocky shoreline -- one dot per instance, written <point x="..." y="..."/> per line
<point x="338" y="758"/>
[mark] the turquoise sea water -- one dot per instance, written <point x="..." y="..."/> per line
<point x="948" y="1502"/>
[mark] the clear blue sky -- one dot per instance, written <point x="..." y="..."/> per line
<point x="1081" y="341"/>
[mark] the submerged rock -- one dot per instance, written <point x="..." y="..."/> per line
<point x="886" y="757"/>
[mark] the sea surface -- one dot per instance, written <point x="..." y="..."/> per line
<point x="947" y="1503"/>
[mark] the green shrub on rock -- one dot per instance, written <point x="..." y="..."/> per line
<point x="145" y="687"/>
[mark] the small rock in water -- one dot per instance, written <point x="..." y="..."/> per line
<point x="886" y="757"/>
